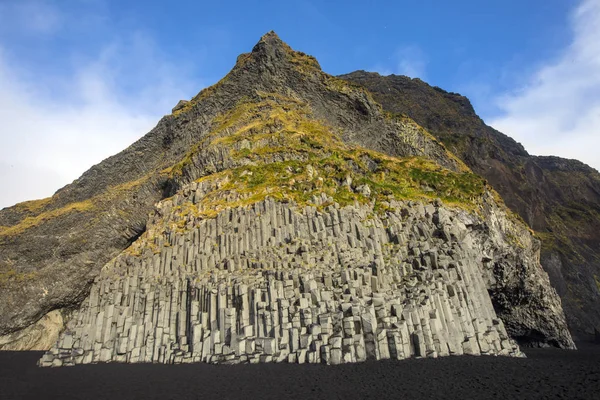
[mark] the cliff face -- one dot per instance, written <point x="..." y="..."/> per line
<point x="52" y="249"/>
<point x="558" y="198"/>
<point x="275" y="195"/>
<point x="276" y="282"/>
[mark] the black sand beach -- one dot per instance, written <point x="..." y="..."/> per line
<point x="545" y="374"/>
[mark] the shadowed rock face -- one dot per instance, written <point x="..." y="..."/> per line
<point x="276" y="127"/>
<point x="558" y="198"/>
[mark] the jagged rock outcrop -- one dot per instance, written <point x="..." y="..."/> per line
<point x="275" y="282"/>
<point x="51" y="249"/>
<point x="558" y="198"/>
<point x="276" y="133"/>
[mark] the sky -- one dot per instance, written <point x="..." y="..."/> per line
<point x="80" y="80"/>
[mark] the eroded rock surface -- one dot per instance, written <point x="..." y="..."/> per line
<point x="40" y="336"/>
<point x="52" y="249"/>
<point x="274" y="282"/>
<point x="227" y="193"/>
<point x="558" y="198"/>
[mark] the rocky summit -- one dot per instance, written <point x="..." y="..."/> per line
<point x="281" y="215"/>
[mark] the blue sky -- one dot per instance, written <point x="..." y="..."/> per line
<point x="82" y="79"/>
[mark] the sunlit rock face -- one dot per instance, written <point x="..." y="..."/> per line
<point x="272" y="282"/>
<point x="557" y="197"/>
<point x="279" y="215"/>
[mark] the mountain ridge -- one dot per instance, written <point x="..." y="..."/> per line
<point x="249" y="138"/>
<point x="142" y="174"/>
<point x="557" y="197"/>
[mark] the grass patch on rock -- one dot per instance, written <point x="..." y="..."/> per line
<point x="288" y="155"/>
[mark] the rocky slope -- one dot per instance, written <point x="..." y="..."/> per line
<point x="276" y="132"/>
<point x="52" y="249"/>
<point x="558" y="198"/>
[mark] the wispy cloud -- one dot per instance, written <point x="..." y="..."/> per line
<point x="406" y="60"/>
<point x="411" y="62"/>
<point x="558" y="111"/>
<point x="55" y="128"/>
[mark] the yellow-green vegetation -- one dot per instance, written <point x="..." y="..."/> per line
<point x="290" y="156"/>
<point x="303" y="62"/>
<point x="243" y="59"/>
<point x="30" y="222"/>
<point x="597" y="279"/>
<point x="298" y="182"/>
<point x="88" y="205"/>
<point x="32" y="206"/>
<point x="9" y="274"/>
<point x="403" y="119"/>
<point x="342" y="86"/>
<point x="514" y="239"/>
<point x="146" y="241"/>
<point x="566" y="223"/>
<point x="203" y="94"/>
<point x="571" y="218"/>
<point x="561" y="243"/>
<point x="208" y="91"/>
<point x="309" y="65"/>
<point x="121" y="189"/>
<point x="548" y="240"/>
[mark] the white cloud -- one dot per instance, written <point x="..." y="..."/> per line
<point x="406" y="60"/>
<point x="411" y="62"/>
<point x="53" y="129"/>
<point x="558" y="111"/>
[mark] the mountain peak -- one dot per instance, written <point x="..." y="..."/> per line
<point x="258" y="177"/>
<point x="270" y="47"/>
<point x="271" y="51"/>
<point x="271" y="37"/>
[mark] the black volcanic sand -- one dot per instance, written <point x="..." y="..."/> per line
<point x="546" y="373"/>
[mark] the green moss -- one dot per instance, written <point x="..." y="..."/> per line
<point x="10" y="275"/>
<point x="405" y="120"/>
<point x="33" y="206"/>
<point x="245" y="121"/>
<point x="559" y="242"/>
<point x="295" y="157"/>
<point x="341" y="86"/>
<point x="30" y="222"/>
<point x="89" y="205"/>
<point x="298" y="181"/>
<point x="303" y="62"/>
<point x="567" y="222"/>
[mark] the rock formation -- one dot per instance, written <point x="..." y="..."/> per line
<point x="558" y="198"/>
<point x="279" y="215"/>
<point x="275" y="282"/>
